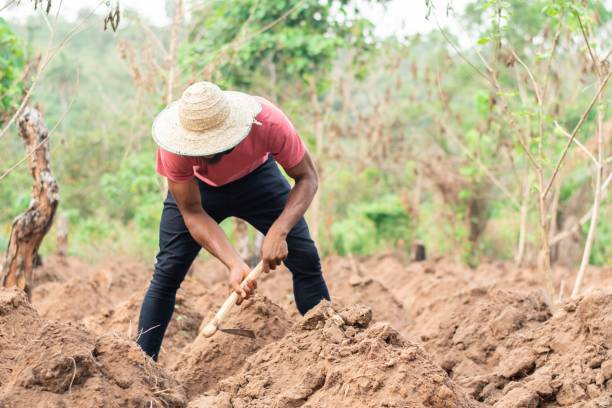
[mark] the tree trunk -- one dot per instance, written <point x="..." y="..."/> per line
<point x="30" y="228"/>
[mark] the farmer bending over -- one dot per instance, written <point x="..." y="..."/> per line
<point x="218" y="150"/>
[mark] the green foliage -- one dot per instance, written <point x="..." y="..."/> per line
<point x="518" y="22"/>
<point x="251" y="36"/>
<point x="135" y="193"/>
<point x="354" y="235"/>
<point x="133" y="188"/>
<point x="373" y="225"/>
<point x="11" y="67"/>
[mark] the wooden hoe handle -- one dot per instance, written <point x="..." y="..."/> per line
<point x="213" y="325"/>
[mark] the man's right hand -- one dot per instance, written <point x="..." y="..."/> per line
<point x="246" y="289"/>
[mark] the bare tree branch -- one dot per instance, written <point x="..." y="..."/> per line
<point x="460" y="53"/>
<point x="582" y="147"/>
<point x="583" y="117"/>
<point x="592" y="53"/>
<point x="536" y="88"/>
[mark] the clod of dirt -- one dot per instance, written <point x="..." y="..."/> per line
<point x="207" y="360"/>
<point x="563" y="362"/>
<point x="65" y="365"/>
<point x="18" y="324"/>
<point x="349" y="284"/>
<point x="326" y="362"/>
<point x="463" y="331"/>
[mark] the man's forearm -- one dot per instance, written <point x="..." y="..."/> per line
<point x="299" y="200"/>
<point x="211" y="237"/>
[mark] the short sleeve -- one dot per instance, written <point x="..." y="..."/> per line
<point x="284" y="142"/>
<point x="172" y="166"/>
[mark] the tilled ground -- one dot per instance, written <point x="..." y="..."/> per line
<point x="397" y="334"/>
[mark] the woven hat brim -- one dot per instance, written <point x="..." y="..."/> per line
<point x="171" y="136"/>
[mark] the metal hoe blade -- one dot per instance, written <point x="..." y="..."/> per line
<point x="239" y="332"/>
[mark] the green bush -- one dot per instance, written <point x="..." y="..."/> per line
<point x="11" y="67"/>
<point x="373" y="225"/>
<point x="133" y="189"/>
<point x="354" y="235"/>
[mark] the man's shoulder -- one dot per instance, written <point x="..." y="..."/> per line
<point x="168" y="156"/>
<point x="270" y="112"/>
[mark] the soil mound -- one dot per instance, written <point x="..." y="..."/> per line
<point x="119" y="278"/>
<point x="193" y="300"/>
<point x="207" y="360"/>
<point x="462" y="332"/>
<point x="122" y="319"/>
<point x="567" y="361"/>
<point x="71" y="300"/>
<point x="59" y="269"/>
<point x="18" y="324"/>
<point x="335" y="358"/>
<point x="65" y="365"/>
<point x="415" y="283"/>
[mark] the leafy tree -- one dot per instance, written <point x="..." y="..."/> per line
<point x="245" y="38"/>
<point x="11" y="68"/>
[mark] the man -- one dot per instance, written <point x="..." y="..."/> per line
<point x="219" y="151"/>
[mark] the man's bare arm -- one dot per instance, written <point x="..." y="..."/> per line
<point x="209" y="234"/>
<point x="274" y="249"/>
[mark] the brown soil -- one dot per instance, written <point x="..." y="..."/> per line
<point x="71" y="300"/>
<point x="18" y="324"/>
<point x="334" y="358"/>
<point x="415" y="283"/>
<point x="117" y="279"/>
<point x="59" y="269"/>
<point x="63" y="365"/>
<point x="462" y="332"/>
<point x="207" y="360"/>
<point x="348" y="284"/>
<point x="441" y="334"/>
<point x="567" y="361"/>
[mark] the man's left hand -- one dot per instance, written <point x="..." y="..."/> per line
<point x="274" y="250"/>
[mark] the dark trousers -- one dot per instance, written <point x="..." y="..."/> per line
<point x="257" y="198"/>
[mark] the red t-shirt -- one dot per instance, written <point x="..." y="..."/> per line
<point x="275" y="135"/>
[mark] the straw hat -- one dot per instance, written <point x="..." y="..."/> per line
<point x="205" y="121"/>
